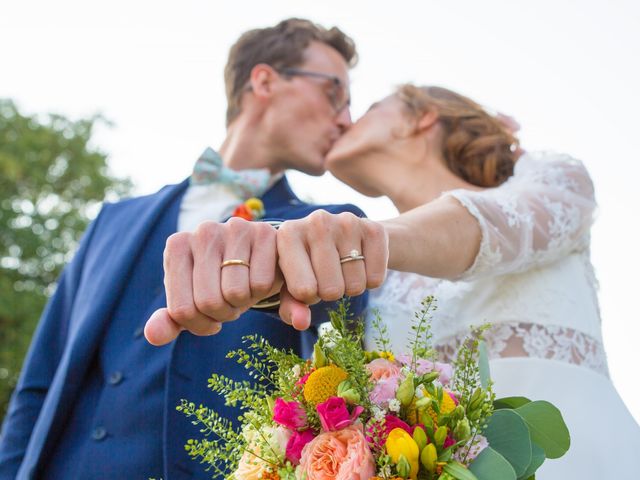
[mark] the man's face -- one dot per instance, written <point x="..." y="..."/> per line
<point x="310" y="110"/>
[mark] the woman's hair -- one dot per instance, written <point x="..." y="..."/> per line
<point x="476" y="146"/>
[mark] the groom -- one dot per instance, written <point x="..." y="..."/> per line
<point x="94" y="400"/>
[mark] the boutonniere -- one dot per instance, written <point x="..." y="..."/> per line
<point x="252" y="209"/>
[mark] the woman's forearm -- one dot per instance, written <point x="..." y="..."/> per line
<point x="440" y="239"/>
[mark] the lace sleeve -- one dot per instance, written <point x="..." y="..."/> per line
<point x="542" y="213"/>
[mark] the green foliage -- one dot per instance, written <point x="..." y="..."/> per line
<point x="490" y="465"/>
<point x="508" y="435"/>
<point x="467" y="381"/>
<point x="420" y="344"/>
<point x="218" y="449"/>
<point x="342" y="345"/>
<point x="547" y="427"/>
<point x="382" y="340"/>
<point x="52" y="181"/>
<point x="274" y="372"/>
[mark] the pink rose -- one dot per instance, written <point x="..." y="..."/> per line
<point x="381" y="368"/>
<point x="296" y="443"/>
<point x="334" y="414"/>
<point x="340" y="455"/>
<point x="289" y="414"/>
<point x="391" y="422"/>
<point x="384" y="391"/>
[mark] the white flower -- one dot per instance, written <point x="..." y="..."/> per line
<point x="296" y="370"/>
<point x="394" y="405"/>
<point x="277" y="437"/>
<point x="378" y="413"/>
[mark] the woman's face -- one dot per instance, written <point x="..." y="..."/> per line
<point x="376" y="139"/>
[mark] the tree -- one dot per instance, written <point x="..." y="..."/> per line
<point x="52" y="182"/>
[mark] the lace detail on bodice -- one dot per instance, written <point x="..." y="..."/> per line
<point x="539" y="341"/>
<point x="532" y="278"/>
<point x="543" y="212"/>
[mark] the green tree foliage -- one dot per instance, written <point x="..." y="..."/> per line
<point x="52" y="181"/>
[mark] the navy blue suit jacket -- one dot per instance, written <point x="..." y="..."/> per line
<point x="74" y="321"/>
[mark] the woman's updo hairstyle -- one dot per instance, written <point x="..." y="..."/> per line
<point x="476" y="146"/>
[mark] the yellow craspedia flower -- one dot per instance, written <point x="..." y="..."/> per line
<point x="323" y="383"/>
<point x="398" y="443"/>
<point x="447" y="406"/>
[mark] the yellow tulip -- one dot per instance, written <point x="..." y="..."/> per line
<point x="398" y="443"/>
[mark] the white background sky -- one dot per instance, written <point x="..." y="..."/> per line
<point x="568" y="70"/>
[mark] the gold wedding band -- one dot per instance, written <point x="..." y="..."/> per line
<point x="353" y="255"/>
<point x="234" y="261"/>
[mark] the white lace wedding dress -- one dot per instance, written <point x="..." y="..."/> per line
<point x="534" y="282"/>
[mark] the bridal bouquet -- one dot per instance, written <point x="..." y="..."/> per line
<point x="353" y="414"/>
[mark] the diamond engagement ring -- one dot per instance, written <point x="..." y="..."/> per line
<point x="353" y="255"/>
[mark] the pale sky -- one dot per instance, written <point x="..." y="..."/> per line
<point x="568" y="70"/>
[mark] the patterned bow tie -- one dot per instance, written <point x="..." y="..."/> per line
<point x="246" y="184"/>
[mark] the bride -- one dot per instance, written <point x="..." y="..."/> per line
<point x="526" y="269"/>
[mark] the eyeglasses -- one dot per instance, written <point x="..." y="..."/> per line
<point x="337" y="94"/>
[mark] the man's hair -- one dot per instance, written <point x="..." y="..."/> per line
<point x="280" y="47"/>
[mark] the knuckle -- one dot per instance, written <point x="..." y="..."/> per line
<point x="331" y="292"/>
<point x="347" y="220"/>
<point x="288" y="232"/>
<point x="374" y="280"/>
<point x="205" y="329"/>
<point x="239" y="229"/>
<point x="183" y="313"/>
<point x="319" y="219"/>
<point x="264" y="229"/>
<point x="304" y="292"/>
<point x="236" y="294"/>
<point x="261" y="286"/>
<point x="207" y="233"/>
<point x="211" y="306"/>
<point x="177" y="242"/>
<point x="373" y="230"/>
<point x="354" y="288"/>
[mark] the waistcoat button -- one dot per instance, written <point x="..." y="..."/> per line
<point x="115" y="377"/>
<point x="99" y="433"/>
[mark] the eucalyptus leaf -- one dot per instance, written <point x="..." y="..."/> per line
<point x="508" y="435"/>
<point x="510" y="402"/>
<point x="537" y="459"/>
<point x="490" y="465"/>
<point x="547" y="427"/>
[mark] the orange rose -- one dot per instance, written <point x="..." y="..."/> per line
<point x="339" y="455"/>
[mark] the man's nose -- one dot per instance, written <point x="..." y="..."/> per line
<point x="343" y="119"/>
